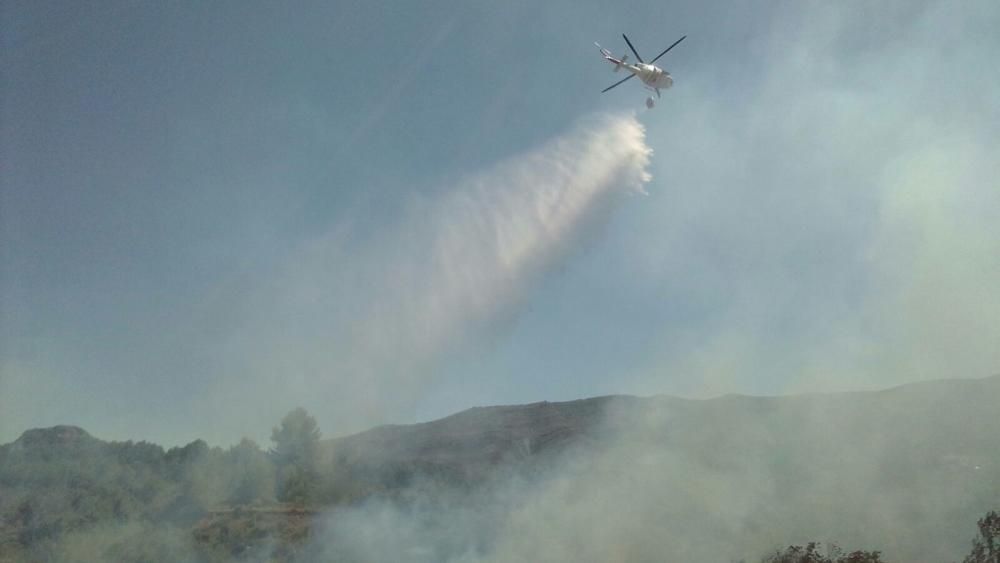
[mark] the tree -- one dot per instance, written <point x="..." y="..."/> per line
<point x="253" y="472"/>
<point x="986" y="547"/>
<point x="295" y="453"/>
<point x="810" y="553"/>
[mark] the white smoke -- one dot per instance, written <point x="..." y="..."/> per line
<point x="728" y="479"/>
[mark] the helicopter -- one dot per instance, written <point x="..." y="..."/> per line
<point x="653" y="77"/>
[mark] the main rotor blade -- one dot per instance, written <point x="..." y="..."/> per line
<point x="617" y="83"/>
<point x="633" y="49"/>
<point x="667" y="49"/>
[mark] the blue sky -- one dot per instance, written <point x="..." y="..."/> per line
<point x="202" y="203"/>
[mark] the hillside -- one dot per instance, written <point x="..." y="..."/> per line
<point x="906" y="470"/>
<point x="943" y="424"/>
<point x="468" y="446"/>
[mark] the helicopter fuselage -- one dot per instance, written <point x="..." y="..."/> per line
<point x="651" y="75"/>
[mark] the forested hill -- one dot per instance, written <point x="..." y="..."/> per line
<point x="951" y="423"/>
<point x="924" y="456"/>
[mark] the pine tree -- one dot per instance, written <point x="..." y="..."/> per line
<point x="295" y="453"/>
<point x="986" y="547"/>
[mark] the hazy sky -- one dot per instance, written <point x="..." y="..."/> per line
<point x="214" y="212"/>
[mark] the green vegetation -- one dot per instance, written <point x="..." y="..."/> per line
<point x="67" y="496"/>
<point x="296" y="456"/>
<point x="986" y="546"/>
<point x="811" y="553"/>
<point x="985" y="549"/>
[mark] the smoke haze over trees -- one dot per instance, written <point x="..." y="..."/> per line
<point x="901" y="474"/>
<point x="296" y="456"/>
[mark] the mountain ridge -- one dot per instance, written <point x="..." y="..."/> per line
<point x="906" y="469"/>
<point x="68" y="433"/>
